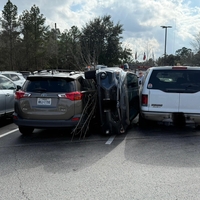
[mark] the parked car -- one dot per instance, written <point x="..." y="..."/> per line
<point x="126" y="66"/>
<point x="7" y="93"/>
<point x="55" y="100"/>
<point x="118" y="98"/>
<point x="170" y="94"/>
<point x="25" y="73"/>
<point x="100" y="66"/>
<point x="16" y="77"/>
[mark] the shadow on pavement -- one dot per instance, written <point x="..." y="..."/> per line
<point x="164" y="146"/>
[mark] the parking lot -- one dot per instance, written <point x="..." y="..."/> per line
<point x="159" y="162"/>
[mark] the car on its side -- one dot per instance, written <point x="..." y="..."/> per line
<point x="118" y="98"/>
<point x="16" y="77"/>
<point x="170" y="94"/>
<point x="7" y="94"/>
<point x="54" y="100"/>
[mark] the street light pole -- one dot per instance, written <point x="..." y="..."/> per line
<point x="165" y="27"/>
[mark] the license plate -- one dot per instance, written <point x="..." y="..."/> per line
<point x="44" y="102"/>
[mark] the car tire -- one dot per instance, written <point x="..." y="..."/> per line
<point x="26" y="130"/>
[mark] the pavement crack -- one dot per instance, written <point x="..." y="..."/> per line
<point x="19" y="178"/>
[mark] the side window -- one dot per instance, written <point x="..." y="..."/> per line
<point x="7" y="75"/>
<point x="85" y="84"/>
<point x="132" y="80"/>
<point x="14" y="77"/>
<point x="1" y="83"/>
<point x="5" y="84"/>
<point x="92" y="84"/>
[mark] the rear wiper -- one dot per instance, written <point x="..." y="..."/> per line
<point x="40" y="90"/>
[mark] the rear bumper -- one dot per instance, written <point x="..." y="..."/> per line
<point x="43" y="123"/>
<point x="190" y="118"/>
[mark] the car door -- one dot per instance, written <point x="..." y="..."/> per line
<point x="132" y="95"/>
<point x="2" y="98"/>
<point x="7" y="95"/>
<point x="162" y="91"/>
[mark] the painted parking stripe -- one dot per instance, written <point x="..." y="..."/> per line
<point x="9" y="132"/>
<point x="110" y="140"/>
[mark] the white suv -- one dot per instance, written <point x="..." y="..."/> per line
<point x="170" y="94"/>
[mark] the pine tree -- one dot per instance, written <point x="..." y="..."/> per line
<point x="10" y="35"/>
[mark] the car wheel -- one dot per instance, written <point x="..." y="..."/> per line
<point x="26" y="130"/>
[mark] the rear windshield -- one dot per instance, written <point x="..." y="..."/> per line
<point x="49" y="85"/>
<point x="175" y="80"/>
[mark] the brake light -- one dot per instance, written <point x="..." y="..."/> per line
<point x="73" y="96"/>
<point x="179" y="67"/>
<point x="144" y="100"/>
<point x="76" y="119"/>
<point x="21" y="94"/>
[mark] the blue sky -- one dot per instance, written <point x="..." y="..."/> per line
<point x="141" y="20"/>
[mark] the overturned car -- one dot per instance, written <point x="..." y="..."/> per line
<point x="118" y="98"/>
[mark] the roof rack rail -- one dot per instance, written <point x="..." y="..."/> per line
<point x="63" y="70"/>
<point x="54" y="71"/>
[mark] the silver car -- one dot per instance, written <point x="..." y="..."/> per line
<point x="7" y="93"/>
<point x="16" y="77"/>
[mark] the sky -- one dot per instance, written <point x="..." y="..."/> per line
<point x="141" y="20"/>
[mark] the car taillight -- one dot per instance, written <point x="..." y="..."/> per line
<point x="73" y="96"/>
<point x="144" y="100"/>
<point x="76" y="119"/>
<point x="21" y="94"/>
<point x="179" y="67"/>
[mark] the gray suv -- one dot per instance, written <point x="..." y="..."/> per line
<point x="54" y="100"/>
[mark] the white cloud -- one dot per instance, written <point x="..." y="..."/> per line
<point x="141" y="19"/>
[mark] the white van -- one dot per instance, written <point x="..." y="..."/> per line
<point x="170" y="94"/>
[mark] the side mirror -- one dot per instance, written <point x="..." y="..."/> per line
<point x="18" y="87"/>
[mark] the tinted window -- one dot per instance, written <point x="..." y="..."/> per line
<point x="13" y="77"/>
<point x="86" y="84"/>
<point x="49" y="85"/>
<point x="132" y="80"/>
<point x="175" y="80"/>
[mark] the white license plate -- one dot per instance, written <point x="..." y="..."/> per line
<point x="44" y="102"/>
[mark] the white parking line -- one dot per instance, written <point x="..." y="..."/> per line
<point x="110" y="140"/>
<point x="9" y="132"/>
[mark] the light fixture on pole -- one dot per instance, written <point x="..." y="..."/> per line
<point x="165" y="27"/>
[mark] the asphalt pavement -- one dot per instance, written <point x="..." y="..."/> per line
<point x="159" y="162"/>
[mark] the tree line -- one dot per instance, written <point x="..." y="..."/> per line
<point x="26" y="43"/>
